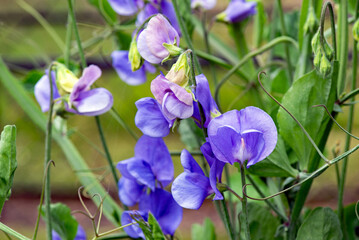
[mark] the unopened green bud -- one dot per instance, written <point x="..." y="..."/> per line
<point x="222" y="17"/>
<point x="311" y="22"/>
<point x="317" y="57"/>
<point x="325" y="65"/>
<point x="134" y="56"/>
<point x="173" y="50"/>
<point x="356" y="30"/>
<point x="179" y="71"/>
<point x="316" y="42"/>
<point x="329" y="52"/>
<point x="65" y="79"/>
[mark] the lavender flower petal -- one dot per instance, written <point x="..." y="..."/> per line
<point x="142" y="171"/>
<point x="206" y="4"/>
<point x="134" y="231"/>
<point x="174" y="108"/>
<point x="123" y="7"/>
<point x="42" y="91"/>
<point x="238" y="10"/>
<point x="150" y="119"/>
<point x="89" y="76"/>
<point x="169" y="11"/>
<point x="129" y="191"/>
<point x="189" y="164"/>
<point x="123" y="68"/>
<point x="93" y="102"/>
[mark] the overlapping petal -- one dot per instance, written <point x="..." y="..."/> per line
<point x="93" y="102"/>
<point x="124" y="7"/>
<point x="42" y="91"/>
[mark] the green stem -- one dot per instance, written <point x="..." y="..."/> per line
<point x="349" y="96"/>
<point x="77" y="35"/>
<point x="244" y="203"/>
<point x="12" y="232"/>
<point x="284" y="33"/>
<point x="348" y="138"/>
<point x="342" y="44"/>
<point x="119" y="119"/>
<point x="227" y="220"/>
<point x="107" y="152"/>
<point x="247" y="57"/>
<point x="332" y="25"/>
<point x="186" y="36"/>
<point x="68" y="41"/>
<point x="271" y="205"/>
<point x="48" y="139"/>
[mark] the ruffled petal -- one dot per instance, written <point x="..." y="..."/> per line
<point x="89" y="76"/>
<point x="173" y="107"/>
<point x="42" y="91"/>
<point x="129" y="191"/>
<point x="238" y="10"/>
<point x="123" y="7"/>
<point x="122" y="167"/>
<point x="190" y="190"/>
<point x="93" y="102"/>
<point x="150" y="119"/>
<point x="169" y="11"/>
<point x="142" y="172"/>
<point x="155" y="152"/>
<point x="189" y="164"/>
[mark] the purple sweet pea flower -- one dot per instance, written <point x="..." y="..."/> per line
<point x="126" y="7"/>
<point x="90" y="102"/>
<point x="123" y="68"/>
<point x="80" y="235"/>
<point x="176" y="101"/>
<point x="151" y="40"/>
<point x="237" y="11"/>
<point x="42" y="91"/>
<point x="205" y="4"/>
<point x="150" y="119"/>
<point x="236" y="136"/>
<point x="204" y="97"/>
<point x="163" y="207"/>
<point x="192" y="187"/>
<point x="151" y="164"/>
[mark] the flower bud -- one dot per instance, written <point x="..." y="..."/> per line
<point x="65" y="79"/>
<point x="356" y="30"/>
<point x="311" y="22"/>
<point x="173" y="50"/>
<point x="179" y="71"/>
<point x="325" y="65"/>
<point x="317" y="57"/>
<point x="329" y="52"/>
<point x="316" y="42"/>
<point x="134" y="57"/>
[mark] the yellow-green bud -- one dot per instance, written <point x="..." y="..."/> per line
<point x="65" y="79"/>
<point x="356" y="30"/>
<point x="134" y="56"/>
<point x="316" y="42"/>
<point x="325" y="65"/>
<point x="329" y="52"/>
<point x="311" y="22"/>
<point x="179" y="72"/>
<point x="316" y="60"/>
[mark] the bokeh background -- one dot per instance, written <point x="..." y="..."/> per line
<point x="25" y="45"/>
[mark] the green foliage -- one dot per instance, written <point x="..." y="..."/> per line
<point x="351" y="221"/>
<point x="62" y="220"/>
<point x="205" y="231"/>
<point x="276" y="164"/>
<point x="31" y="78"/>
<point x="260" y="20"/>
<point x="106" y="11"/>
<point x="190" y="134"/>
<point x="186" y="14"/>
<point x="309" y="90"/>
<point x="320" y="224"/>
<point x="150" y="229"/>
<point x="8" y="163"/>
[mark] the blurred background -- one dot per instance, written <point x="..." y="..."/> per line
<point x="25" y="45"/>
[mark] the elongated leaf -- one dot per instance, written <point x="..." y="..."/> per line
<point x="205" y="231"/>
<point x="307" y="91"/>
<point x="62" y="221"/>
<point x="8" y="163"/>
<point x="260" y="20"/>
<point x="106" y="10"/>
<point x="320" y="224"/>
<point x="111" y="210"/>
<point x="155" y="228"/>
<point x="276" y="164"/>
<point x="190" y="134"/>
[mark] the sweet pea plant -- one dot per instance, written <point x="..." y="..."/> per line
<point x="294" y="71"/>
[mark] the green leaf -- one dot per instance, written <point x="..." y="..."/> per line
<point x="8" y="163"/>
<point x="320" y="224"/>
<point x="205" y="231"/>
<point x="262" y="224"/>
<point x="260" y="19"/>
<point x="276" y="164"/>
<point x="62" y="221"/>
<point x="31" y="79"/>
<point x="190" y="134"/>
<point x="351" y="221"/>
<point x="157" y="233"/>
<point x="186" y="14"/>
<point x="309" y="90"/>
<point x="106" y="11"/>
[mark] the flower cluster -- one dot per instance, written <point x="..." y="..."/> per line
<point x="74" y="93"/>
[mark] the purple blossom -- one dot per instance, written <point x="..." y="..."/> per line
<point x="204" y="97"/>
<point x="150" y="119"/>
<point x="192" y="187"/>
<point x="126" y="7"/>
<point x="152" y="40"/>
<point x="123" y="68"/>
<point x="175" y="100"/>
<point x="82" y="100"/>
<point x="237" y="11"/>
<point x="151" y="164"/>
<point x="163" y="207"/>
<point x="205" y="4"/>
<point x="236" y="136"/>
<point x="80" y="235"/>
